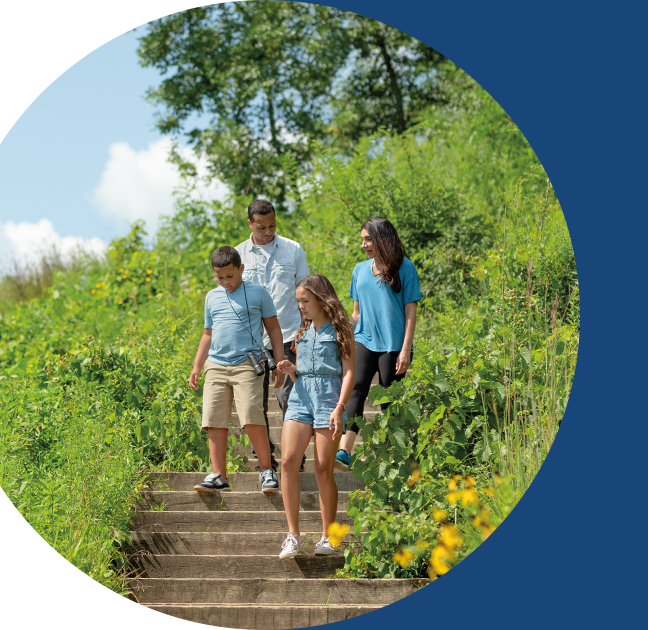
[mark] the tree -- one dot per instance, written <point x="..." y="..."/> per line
<point x="273" y="77"/>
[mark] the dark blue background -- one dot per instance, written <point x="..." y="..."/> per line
<point x="571" y="75"/>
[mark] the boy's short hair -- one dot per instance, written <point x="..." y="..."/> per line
<point x="225" y="256"/>
<point x="260" y="207"/>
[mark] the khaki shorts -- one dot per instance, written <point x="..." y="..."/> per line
<point x="224" y="383"/>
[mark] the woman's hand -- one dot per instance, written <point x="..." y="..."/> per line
<point x="286" y="367"/>
<point x="336" y="421"/>
<point x="403" y="361"/>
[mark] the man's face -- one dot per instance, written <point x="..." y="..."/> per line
<point x="263" y="228"/>
<point x="229" y="277"/>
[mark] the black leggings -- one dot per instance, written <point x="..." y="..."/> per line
<point x="367" y="363"/>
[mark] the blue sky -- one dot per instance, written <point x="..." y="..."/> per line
<point x="85" y="156"/>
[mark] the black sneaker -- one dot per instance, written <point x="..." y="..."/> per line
<point x="212" y="483"/>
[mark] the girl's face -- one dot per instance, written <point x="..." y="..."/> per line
<point x="367" y="243"/>
<point x="309" y="305"/>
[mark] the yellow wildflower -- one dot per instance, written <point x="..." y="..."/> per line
<point x="452" y="485"/>
<point x="470" y="481"/>
<point x="439" y="555"/>
<point x="148" y="279"/>
<point x="439" y="515"/>
<point x="450" y="537"/>
<point x="98" y="285"/>
<point x="453" y="496"/>
<point x="149" y="271"/>
<point x="103" y="284"/>
<point x="404" y="557"/>
<point x="336" y="533"/>
<point x="422" y="544"/>
<point x="120" y="301"/>
<point x="498" y="479"/>
<point x="93" y="290"/>
<point x="121" y="270"/>
<point x="124" y="277"/>
<point x="469" y="495"/>
<point x="413" y="478"/>
<point x="489" y="491"/>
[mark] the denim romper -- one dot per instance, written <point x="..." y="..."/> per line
<point x="319" y="378"/>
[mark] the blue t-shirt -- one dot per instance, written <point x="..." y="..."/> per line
<point x="231" y="341"/>
<point x="381" y="327"/>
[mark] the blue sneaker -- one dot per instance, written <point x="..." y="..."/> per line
<point x="268" y="480"/>
<point x="342" y="460"/>
<point x="212" y="483"/>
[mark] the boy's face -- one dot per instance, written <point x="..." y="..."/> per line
<point x="263" y="228"/>
<point x="229" y="277"/>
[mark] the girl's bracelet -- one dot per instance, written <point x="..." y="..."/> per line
<point x="343" y="405"/>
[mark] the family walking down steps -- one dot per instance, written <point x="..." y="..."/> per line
<point x="218" y="551"/>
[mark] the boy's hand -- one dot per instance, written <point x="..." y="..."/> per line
<point x="286" y="367"/>
<point x="335" y="421"/>
<point x="193" y="379"/>
<point x="278" y="378"/>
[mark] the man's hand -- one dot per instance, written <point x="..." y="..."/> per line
<point x="293" y="346"/>
<point x="278" y="378"/>
<point x="193" y="379"/>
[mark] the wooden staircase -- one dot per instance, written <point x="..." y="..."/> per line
<point x="213" y="558"/>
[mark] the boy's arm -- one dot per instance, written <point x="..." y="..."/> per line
<point x="276" y="341"/>
<point x="201" y="357"/>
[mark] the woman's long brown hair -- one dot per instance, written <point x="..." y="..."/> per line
<point x="389" y="250"/>
<point x="323" y="290"/>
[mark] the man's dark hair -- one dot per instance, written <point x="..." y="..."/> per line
<point x="260" y="207"/>
<point x="225" y="256"/>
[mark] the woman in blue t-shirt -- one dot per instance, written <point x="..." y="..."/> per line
<point x="385" y="290"/>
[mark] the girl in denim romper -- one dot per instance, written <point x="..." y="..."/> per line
<point x="323" y="381"/>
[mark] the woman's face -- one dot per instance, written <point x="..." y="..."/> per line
<point x="367" y="243"/>
<point x="308" y="304"/>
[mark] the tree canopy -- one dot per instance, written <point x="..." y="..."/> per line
<point x="274" y="76"/>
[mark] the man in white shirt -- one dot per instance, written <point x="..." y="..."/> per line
<point x="278" y="264"/>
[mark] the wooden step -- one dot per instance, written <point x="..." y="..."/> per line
<point x="264" y="616"/>
<point x="216" y="544"/>
<point x="224" y="521"/>
<point x="244" y="482"/>
<point x="269" y="566"/>
<point x="272" y="590"/>
<point x="192" y="501"/>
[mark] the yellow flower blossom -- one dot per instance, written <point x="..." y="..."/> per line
<point x="336" y="533"/>
<point x="404" y="557"/>
<point x="98" y="285"/>
<point x="489" y="491"/>
<point x="452" y="485"/>
<point x="93" y="290"/>
<point x="121" y="270"/>
<point x="149" y="271"/>
<point x="498" y="480"/>
<point x="148" y="279"/>
<point x="120" y="301"/>
<point x="453" y="497"/>
<point x="469" y="495"/>
<point x="439" y="515"/>
<point x="413" y="478"/>
<point x="450" y="537"/>
<point x="439" y="555"/>
<point x="124" y="277"/>
<point x="470" y="481"/>
<point x="422" y="544"/>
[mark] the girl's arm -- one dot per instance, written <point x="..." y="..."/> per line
<point x="404" y="357"/>
<point x="201" y="357"/>
<point x="348" y="381"/>
<point x="355" y="316"/>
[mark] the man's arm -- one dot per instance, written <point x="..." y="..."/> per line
<point x="276" y="341"/>
<point x="201" y="357"/>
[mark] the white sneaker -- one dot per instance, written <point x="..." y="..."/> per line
<point x="324" y="547"/>
<point x="291" y="546"/>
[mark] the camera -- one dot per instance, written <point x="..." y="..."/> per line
<point x="263" y="356"/>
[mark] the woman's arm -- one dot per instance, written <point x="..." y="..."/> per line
<point x="404" y="358"/>
<point x="355" y="316"/>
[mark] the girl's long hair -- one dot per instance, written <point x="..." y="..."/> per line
<point x="389" y="250"/>
<point x="323" y="290"/>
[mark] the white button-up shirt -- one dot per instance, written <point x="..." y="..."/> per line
<point x="277" y="267"/>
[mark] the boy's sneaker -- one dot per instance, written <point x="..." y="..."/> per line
<point x="291" y="546"/>
<point x="268" y="480"/>
<point x="324" y="547"/>
<point x="213" y="482"/>
<point x="342" y="460"/>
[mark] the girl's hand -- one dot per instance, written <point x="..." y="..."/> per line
<point x="403" y="361"/>
<point x="286" y="367"/>
<point x="335" y="421"/>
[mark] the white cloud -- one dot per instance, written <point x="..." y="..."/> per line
<point x="139" y="184"/>
<point x="25" y="243"/>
